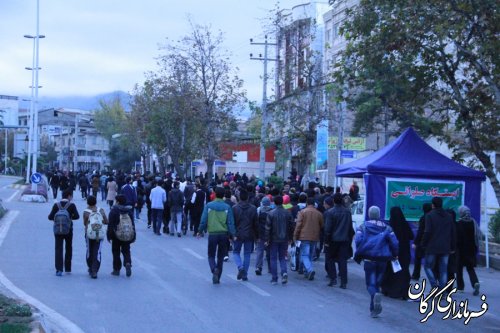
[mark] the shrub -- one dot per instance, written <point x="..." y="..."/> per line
<point x="18" y="310"/>
<point x="494" y="226"/>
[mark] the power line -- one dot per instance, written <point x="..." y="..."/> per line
<point x="263" y="130"/>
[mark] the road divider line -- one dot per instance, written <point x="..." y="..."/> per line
<point x="251" y="286"/>
<point x="12" y="196"/>
<point x="194" y="254"/>
<point x="60" y="321"/>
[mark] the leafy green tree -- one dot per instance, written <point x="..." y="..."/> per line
<point x="115" y="126"/>
<point x="219" y="88"/>
<point x="167" y="105"/>
<point x="428" y="64"/>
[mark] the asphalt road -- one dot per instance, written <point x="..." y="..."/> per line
<point x="170" y="289"/>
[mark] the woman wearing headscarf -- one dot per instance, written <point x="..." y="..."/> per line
<point x="396" y="285"/>
<point x="468" y="235"/>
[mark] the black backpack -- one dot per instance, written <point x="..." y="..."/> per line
<point x="62" y="220"/>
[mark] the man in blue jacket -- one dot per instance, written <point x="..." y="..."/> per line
<point x="376" y="244"/>
<point x="129" y="192"/>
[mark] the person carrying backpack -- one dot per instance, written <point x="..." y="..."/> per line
<point x="121" y="233"/>
<point x="262" y="211"/>
<point x="62" y="214"/>
<point x="95" y="221"/>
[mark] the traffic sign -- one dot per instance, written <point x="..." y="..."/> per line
<point x="36" y="178"/>
<point x="347" y="153"/>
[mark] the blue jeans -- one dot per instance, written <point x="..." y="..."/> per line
<point x="278" y="251"/>
<point x="247" y="251"/>
<point x="157" y="217"/>
<point x="104" y="192"/>
<point x="259" y="250"/>
<point x="374" y="272"/>
<point x="307" y="249"/>
<point x="175" y="222"/>
<point x="217" y="245"/>
<point x="442" y="261"/>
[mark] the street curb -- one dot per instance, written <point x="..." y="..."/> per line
<point x="38" y="324"/>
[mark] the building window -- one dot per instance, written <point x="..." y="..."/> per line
<point x="335" y="33"/>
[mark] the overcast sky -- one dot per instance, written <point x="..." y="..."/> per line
<point x="99" y="46"/>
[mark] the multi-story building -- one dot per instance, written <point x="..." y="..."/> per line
<point x="299" y="84"/>
<point x="87" y="150"/>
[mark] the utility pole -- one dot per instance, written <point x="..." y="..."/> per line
<point x="263" y="130"/>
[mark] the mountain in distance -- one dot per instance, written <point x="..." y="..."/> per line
<point x="79" y="102"/>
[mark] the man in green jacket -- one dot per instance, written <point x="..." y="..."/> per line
<point x="218" y="220"/>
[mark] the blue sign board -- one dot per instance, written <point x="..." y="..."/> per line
<point x="347" y="153"/>
<point x="36" y="178"/>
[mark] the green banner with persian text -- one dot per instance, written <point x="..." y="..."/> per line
<point x="349" y="143"/>
<point x="411" y="194"/>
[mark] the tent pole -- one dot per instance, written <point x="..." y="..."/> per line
<point x="485" y="219"/>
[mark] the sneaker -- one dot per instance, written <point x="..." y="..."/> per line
<point x="274" y="282"/>
<point x="333" y="282"/>
<point x="178" y="234"/>
<point x="115" y="273"/>
<point x="58" y="273"/>
<point x="310" y="275"/>
<point x="128" y="270"/>
<point x="215" y="276"/>
<point x="343" y="286"/>
<point x="241" y="273"/>
<point x="149" y="226"/>
<point x="226" y="258"/>
<point x="284" y="278"/>
<point x="93" y="275"/>
<point x="373" y="314"/>
<point x="245" y="276"/>
<point x="476" y="289"/>
<point x="377" y="304"/>
<point x="258" y="271"/>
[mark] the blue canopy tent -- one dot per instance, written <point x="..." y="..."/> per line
<point x="409" y="158"/>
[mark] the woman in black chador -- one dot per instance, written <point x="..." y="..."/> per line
<point x="396" y="285"/>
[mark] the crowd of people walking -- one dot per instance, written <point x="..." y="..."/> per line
<point x="287" y="225"/>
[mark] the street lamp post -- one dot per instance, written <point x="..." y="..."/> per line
<point x="33" y="123"/>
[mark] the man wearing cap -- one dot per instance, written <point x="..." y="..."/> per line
<point x="218" y="220"/>
<point x="262" y="212"/>
<point x="338" y="238"/>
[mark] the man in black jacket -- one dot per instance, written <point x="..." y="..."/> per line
<point x="279" y="233"/>
<point x="338" y="239"/>
<point x="246" y="222"/>
<point x="437" y="241"/>
<point x="67" y="195"/>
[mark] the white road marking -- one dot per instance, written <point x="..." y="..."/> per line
<point x="194" y="254"/>
<point x="251" y="286"/>
<point x="62" y="322"/>
<point x="12" y="196"/>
